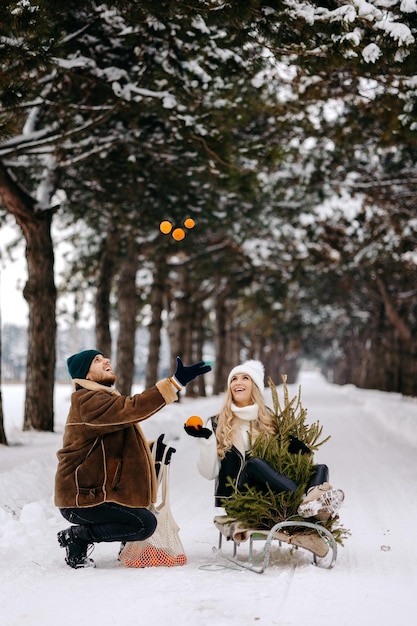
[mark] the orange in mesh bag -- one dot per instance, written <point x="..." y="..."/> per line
<point x="164" y="547"/>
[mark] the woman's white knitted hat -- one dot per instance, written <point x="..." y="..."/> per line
<point x="255" y="369"/>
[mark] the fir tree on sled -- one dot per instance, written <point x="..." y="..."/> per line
<point x="289" y="451"/>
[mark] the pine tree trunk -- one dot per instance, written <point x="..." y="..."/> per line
<point x="127" y="305"/>
<point x="3" y="438"/>
<point x="40" y="293"/>
<point x="105" y="276"/>
<point x="391" y="312"/>
<point x="179" y="326"/>
<point x="155" y="326"/>
<point x="197" y="386"/>
<point x="226" y="342"/>
<point x="219" y="344"/>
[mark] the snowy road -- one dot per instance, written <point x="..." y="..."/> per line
<point x="372" y="456"/>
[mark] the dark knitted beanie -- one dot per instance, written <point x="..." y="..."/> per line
<point x="79" y="364"/>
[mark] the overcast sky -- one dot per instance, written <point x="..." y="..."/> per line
<point x="12" y="280"/>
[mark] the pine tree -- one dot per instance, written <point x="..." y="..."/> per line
<point x="263" y="509"/>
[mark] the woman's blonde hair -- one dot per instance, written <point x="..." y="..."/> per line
<point x="226" y="417"/>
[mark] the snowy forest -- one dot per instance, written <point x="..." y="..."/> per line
<point x="286" y="131"/>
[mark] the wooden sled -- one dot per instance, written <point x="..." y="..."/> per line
<point x="319" y="541"/>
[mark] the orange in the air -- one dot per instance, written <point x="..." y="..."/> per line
<point x="165" y="227"/>
<point x="195" y="421"/>
<point x="189" y="222"/>
<point x="178" y="234"/>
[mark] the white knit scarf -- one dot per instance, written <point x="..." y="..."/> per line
<point x="246" y="413"/>
<point x="242" y="426"/>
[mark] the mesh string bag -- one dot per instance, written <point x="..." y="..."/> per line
<point x="164" y="548"/>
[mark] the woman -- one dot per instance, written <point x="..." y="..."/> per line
<point x="225" y="450"/>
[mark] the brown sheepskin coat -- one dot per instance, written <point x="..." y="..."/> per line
<point x="105" y="456"/>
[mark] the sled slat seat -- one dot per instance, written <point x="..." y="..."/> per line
<point x="311" y="536"/>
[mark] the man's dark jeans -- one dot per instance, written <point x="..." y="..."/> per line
<point x="111" y="522"/>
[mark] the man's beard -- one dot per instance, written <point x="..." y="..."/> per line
<point x="108" y="379"/>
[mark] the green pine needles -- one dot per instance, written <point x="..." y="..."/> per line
<point x="263" y="509"/>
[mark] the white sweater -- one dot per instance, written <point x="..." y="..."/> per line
<point x="208" y="463"/>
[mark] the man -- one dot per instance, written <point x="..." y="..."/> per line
<point x="106" y="478"/>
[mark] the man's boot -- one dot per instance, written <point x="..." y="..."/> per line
<point x="75" y="547"/>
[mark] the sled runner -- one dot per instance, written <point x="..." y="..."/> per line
<point x="316" y="539"/>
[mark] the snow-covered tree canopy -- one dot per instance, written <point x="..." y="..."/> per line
<point x="253" y="116"/>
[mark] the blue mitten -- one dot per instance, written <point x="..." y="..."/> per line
<point x="198" y="431"/>
<point x="185" y="374"/>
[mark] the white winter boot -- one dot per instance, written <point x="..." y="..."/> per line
<point x="321" y="502"/>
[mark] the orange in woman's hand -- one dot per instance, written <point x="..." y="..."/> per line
<point x="194" y="421"/>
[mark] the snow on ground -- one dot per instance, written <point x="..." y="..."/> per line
<point x="371" y="455"/>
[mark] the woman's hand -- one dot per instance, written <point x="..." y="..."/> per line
<point x="198" y="431"/>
